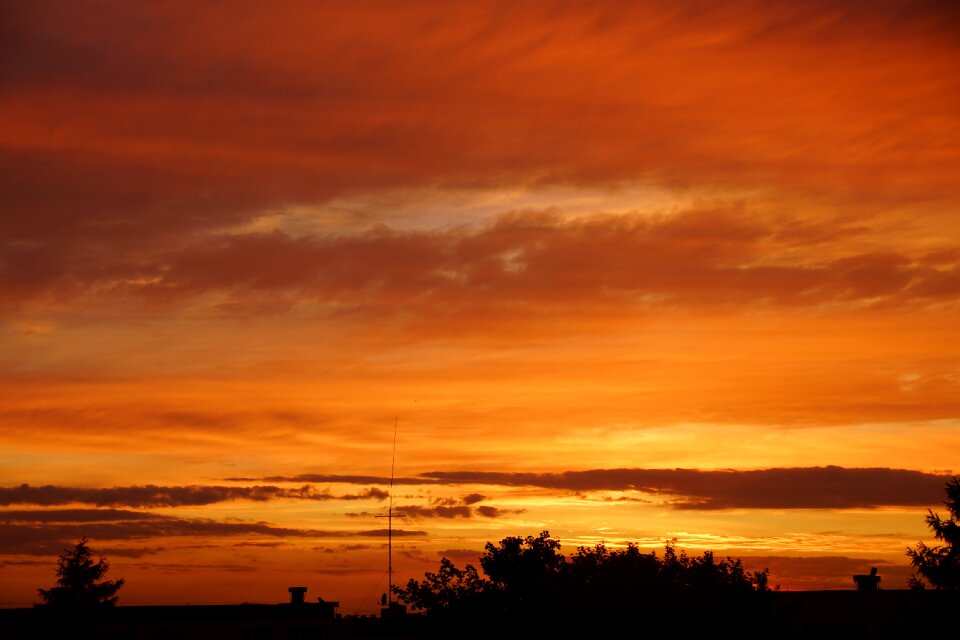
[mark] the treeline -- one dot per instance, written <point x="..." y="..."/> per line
<point x="528" y="583"/>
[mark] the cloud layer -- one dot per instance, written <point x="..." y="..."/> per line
<point x="47" y="532"/>
<point x="522" y="264"/>
<point x="154" y="182"/>
<point x="828" y="487"/>
<point x="693" y="489"/>
<point x="157" y="496"/>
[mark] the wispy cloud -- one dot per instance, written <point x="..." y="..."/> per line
<point x="44" y="532"/>
<point x="447" y="509"/>
<point x="697" y="258"/>
<point x="320" y="478"/>
<point x="175" y="496"/>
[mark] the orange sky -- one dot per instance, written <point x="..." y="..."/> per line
<point x="641" y="241"/>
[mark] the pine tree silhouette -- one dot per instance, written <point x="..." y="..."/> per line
<point x="941" y="564"/>
<point x="79" y="580"/>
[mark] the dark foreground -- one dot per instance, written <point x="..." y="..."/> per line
<point x="802" y="614"/>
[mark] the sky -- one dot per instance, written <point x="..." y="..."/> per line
<point x="668" y="273"/>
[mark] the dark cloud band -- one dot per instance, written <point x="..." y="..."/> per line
<point x="44" y="532"/>
<point x="175" y="496"/>
<point x="789" y="488"/>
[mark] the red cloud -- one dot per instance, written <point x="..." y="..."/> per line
<point x="126" y="130"/>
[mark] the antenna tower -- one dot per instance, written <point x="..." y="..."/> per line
<point x="393" y="465"/>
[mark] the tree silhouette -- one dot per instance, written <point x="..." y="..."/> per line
<point x="530" y="585"/>
<point x="79" y="582"/>
<point x="941" y="564"/>
<point x="450" y="591"/>
<point x="525" y="573"/>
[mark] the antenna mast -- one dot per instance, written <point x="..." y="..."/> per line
<point x="387" y="598"/>
<point x="393" y="464"/>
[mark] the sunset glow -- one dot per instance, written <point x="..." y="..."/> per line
<point x="622" y="271"/>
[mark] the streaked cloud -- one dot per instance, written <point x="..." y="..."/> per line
<point x="46" y="532"/>
<point x="157" y="496"/>
<point x="818" y="572"/>
<point x="320" y="478"/>
<point x="448" y="509"/>
<point x="630" y="262"/>
<point x="828" y="487"/>
<point x="696" y="489"/>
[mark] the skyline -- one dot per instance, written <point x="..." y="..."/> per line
<point x="626" y="272"/>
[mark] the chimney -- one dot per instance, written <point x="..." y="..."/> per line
<point x="868" y="582"/>
<point x="297" y="594"/>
